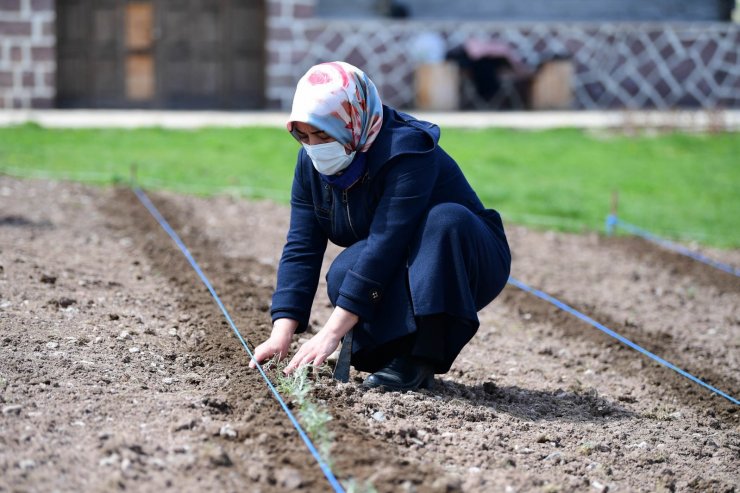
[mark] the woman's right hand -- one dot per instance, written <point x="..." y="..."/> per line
<point x="278" y="342"/>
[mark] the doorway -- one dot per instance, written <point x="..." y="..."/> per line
<point x="174" y="54"/>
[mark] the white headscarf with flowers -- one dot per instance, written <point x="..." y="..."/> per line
<point x="341" y="100"/>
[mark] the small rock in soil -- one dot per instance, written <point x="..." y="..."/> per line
<point x="65" y="302"/>
<point x="113" y="316"/>
<point x="228" y="432"/>
<point x="255" y="472"/>
<point x="379" y="416"/>
<point x="288" y="478"/>
<point x="218" y="457"/>
<point x="13" y="409"/>
<point x="52" y="345"/>
<point x="48" y="279"/>
<point x="218" y="404"/>
<point x="27" y="464"/>
<point x="601" y="488"/>
<point x="187" y="424"/>
<point x="555" y="458"/>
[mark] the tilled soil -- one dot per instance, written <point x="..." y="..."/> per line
<point x="118" y="371"/>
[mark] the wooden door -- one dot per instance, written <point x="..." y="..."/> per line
<point x="189" y="54"/>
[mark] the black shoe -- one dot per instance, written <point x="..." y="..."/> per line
<point x="402" y="373"/>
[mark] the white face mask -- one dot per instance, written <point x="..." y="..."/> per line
<point x="329" y="158"/>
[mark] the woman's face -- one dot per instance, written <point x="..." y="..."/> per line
<point x="308" y="134"/>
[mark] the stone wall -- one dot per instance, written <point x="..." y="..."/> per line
<point x="27" y="54"/>
<point x="646" y="65"/>
<point x="617" y="65"/>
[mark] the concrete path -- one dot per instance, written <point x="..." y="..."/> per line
<point x="700" y="121"/>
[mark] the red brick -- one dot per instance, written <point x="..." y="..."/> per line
<point x="42" y="53"/>
<point x="15" y="28"/>
<point x="10" y="5"/>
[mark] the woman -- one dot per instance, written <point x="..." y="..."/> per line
<point x="422" y="253"/>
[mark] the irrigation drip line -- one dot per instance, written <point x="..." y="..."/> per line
<point x="612" y="222"/>
<point x="618" y="337"/>
<point x="171" y="232"/>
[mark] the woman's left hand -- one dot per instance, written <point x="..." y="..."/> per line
<point x="320" y="346"/>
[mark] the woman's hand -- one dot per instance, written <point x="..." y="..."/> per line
<point x="320" y="346"/>
<point x="278" y="342"/>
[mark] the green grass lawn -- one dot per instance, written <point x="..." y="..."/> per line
<point x="680" y="186"/>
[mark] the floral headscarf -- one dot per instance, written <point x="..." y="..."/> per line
<point x="341" y="100"/>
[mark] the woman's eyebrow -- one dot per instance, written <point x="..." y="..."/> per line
<point x="319" y="132"/>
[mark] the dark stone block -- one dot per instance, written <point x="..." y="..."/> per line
<point x="683" y="69"/>
<point x="631" y="86"/>
<point x="15" y="28"/>
<point x="6" y="79"/>
<point x="280" y="34"/>
<point x="357" y="59"/>
<point x="42" y="103"/>
<point x="334" y="42"/>
<point x="10" y="5"/>
<point x="302" y="11"/>
<point x="16" y="54"/>
<point x="28" y="79"/>
<point x="704" y="87"/>
<point x="646" y="68"/>
<point x="42" y="53"/>
<point x="40" y="5"/>
<point x="595" y="89"/>
<point x="662" y="88"/>
<point x="709" y="50"/>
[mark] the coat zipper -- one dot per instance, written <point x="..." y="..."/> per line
<point x="349" y="217"/>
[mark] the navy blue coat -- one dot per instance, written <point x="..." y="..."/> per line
<point x="408" y="174"/>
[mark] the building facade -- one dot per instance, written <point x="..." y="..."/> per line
<point x="242" y="54"/>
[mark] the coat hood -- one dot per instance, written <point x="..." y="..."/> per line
<point x="400" y="134"/>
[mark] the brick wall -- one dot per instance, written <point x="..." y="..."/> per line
<point x="283" y="49"/>
<point x="27" y="54"/>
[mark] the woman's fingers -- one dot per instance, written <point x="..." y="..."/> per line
<point x="266" y="350"/>
<point x="261" y="353"/>
<point x="315" y="351"/>
<point x="304" y="356"/>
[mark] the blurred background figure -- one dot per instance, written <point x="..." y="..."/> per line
<point x="248" y="54"/>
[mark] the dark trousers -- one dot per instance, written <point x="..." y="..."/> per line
<point x="457" y="264"/>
